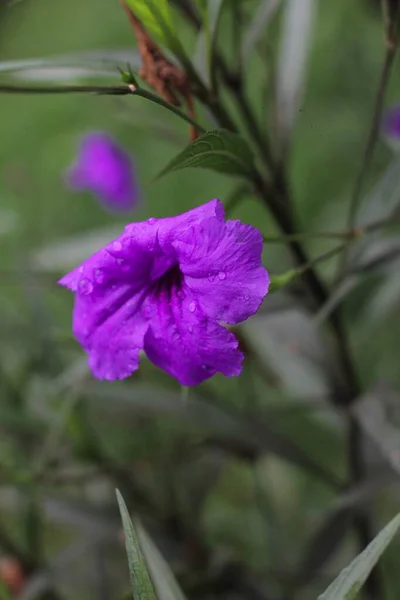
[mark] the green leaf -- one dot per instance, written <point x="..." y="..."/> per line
<point x="218" y="150"/>
<point x="164" y="580"/>
<point x="157" y="18"/>
<point x="351" y="579"/>
<point x="142" y="587"/>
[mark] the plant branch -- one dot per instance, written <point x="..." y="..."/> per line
<point x="104" y="90"/>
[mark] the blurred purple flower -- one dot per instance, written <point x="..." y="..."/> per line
<point x="164" y="286"/>
<point x="105" y="169"/>
<point x="391" y="123"/>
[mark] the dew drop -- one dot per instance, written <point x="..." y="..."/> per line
<point x="147" y="309"/>
<point x="240" y="283"/>
<point x="80" y="269"/>
<point x="192" y="307"/>
<point x="247" y="297"/>
<point x="152" y="220"/>
<point x="176" y="336"/>
<point x="222" y="275"/>
<point x="190" y="328"/>
<point x="99" y="276"/>
<point x="211" y="277"/>
<point x="181" y="295"/>
<point x="120" y="261"/>
<point x="85" y="286"/>
<point x="117" y="246"/>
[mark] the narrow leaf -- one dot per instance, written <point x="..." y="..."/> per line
<point x="294" y="51"/>
<point x="351" y="579"/>
<point x="263" y="15"/>
<point x="164" y="580"/>
<point x="142" y="587"/>
<point x="218" y="150"/>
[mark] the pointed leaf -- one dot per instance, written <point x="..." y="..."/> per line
<point x="142" y="587"/>
<point x="218" y="150"/>
<point x="164" y="580"/>
<point x="351" y="579"/>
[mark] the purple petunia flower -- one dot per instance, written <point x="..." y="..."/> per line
<point x="391" y="123"/>
<point x="106" y="170"/>
<point x="164" y="286"/>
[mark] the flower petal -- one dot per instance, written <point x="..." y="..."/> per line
<point x="222" y="267"/>
<point x="186" y="344"/>
<point x="106" y="169"/>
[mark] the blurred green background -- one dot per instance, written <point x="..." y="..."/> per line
<point x="259" y="512"/>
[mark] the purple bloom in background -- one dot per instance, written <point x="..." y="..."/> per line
<point x="164" y="286"/>
<point x="106" y="170"/>
<point x="391" y="123"/>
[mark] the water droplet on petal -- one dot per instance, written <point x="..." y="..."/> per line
<point x="211" y="277"/>
<point x="120" y="261"/>
<point x="181" y="295"/>
<point x="152" y="220"/>
<point x="222" y="275"/>
<point x="247" y="297"/>
<point x="147" y="309"/>
<point x="85" y="286"/>
<point x="80" y="269"/>
<point x="190" y="328"/>
<point x="117" y="246"/>
<point x="99" y="276"/>
<point x="192" y="307"/>
<point x="240" y="282"/>
<point x="176" y="336"/>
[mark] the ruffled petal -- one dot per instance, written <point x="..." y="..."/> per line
<point x="221" y="264"/>
<point x="110" y="313"/>
<point x="185" y="343"/>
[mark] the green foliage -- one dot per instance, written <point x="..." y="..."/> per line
<point x="351" y="579"/>
<point x="218" y="150"/>
<point x="142" y="587"/>
<point x="156" y="16"/>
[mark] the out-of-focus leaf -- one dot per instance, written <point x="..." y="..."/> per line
<point x="384" y="199"/>
<point x="165" y="583"/>
<point x="207" y="37"/>
<point x="293" y="56"/>
<point x="8" y="222"/>
<point x="221" y="429"/>
<point x="333" y="530"/>
<point x="71" y="251"/>
<point x="218" y="150"/>
<point x="351" y="579"/>
<point x="156" y="16"/>
<point x="142" y="587"/>
<point x="265" y="11"/>
<point x="370" y="412"/>
<point x="288" y="342"/>
<point x="96" y="63"/>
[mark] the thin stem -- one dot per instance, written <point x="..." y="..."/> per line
<point x="391" y="28"/>
<point x="119" y="90"/>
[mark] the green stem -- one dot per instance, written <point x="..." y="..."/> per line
<point x="119" y="90"/>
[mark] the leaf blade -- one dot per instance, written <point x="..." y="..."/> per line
<point x="218" y="150"/>
<point x="142" y="587"/>
<point x="349" y="582"/>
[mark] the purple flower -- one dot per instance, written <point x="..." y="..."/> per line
<point x="106" y="170"/>
<point x="391" y="123"/>
<point x="164" y="286"/>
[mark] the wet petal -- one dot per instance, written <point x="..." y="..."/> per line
<point x="186" y="344"/>
<point x="222" y="267"/>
